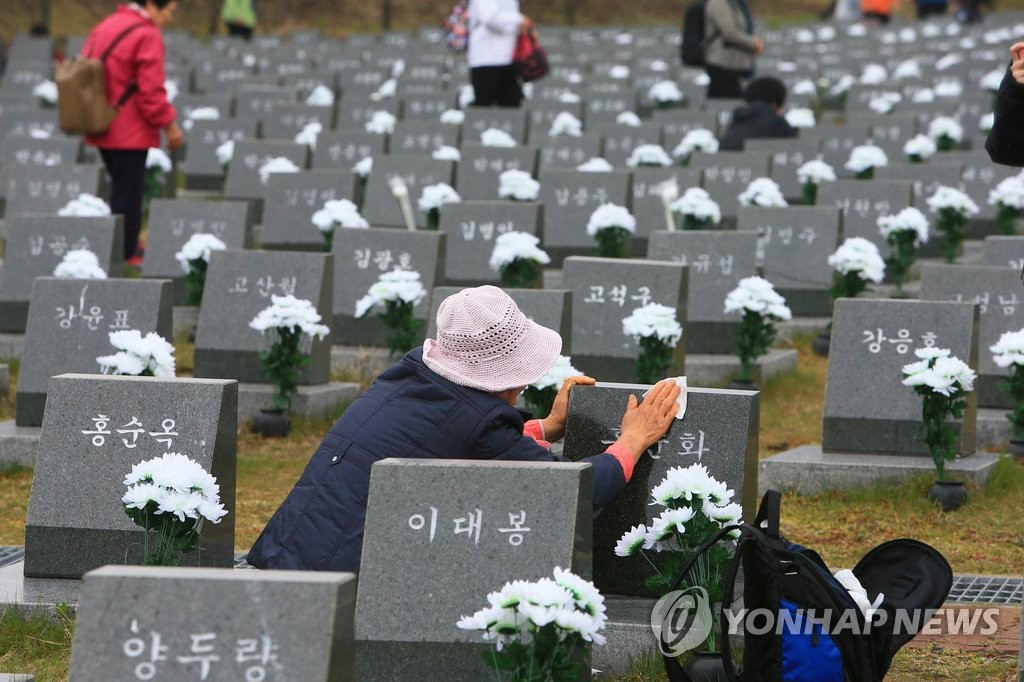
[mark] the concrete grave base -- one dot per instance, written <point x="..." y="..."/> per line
<point x="717" y="370"/>
<point x="808" y="470"/>
<point x="11" y="346"/>
<point x="201" y="186"/>
<point x="34" y="595"/>
<point x="407" y="661"/>
<point x="13" y="316"/>
<point x="628" y="636"/>
<point x="993" y="429"/>
<point x="354" y="362"/>
<point x="184" y="319"/>
<point x="797" y="326"/>
<point x="311" y="402"/>
<point x="15" y="677"/>
<point x="18" y="444"/>
<point x="5" y="381"/>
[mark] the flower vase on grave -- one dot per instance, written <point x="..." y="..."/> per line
<point x="1008" y="352"/>
<point x="706" y="666"/>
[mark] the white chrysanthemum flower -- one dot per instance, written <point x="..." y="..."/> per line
<point x="1009" y="349"/>
<point x="200" y="114"/>
<point x="569" y="98"/>
<point x="297" y="314"/>
<point x="631" y="541"/>
<point x="595" y="165"/>
<point x="278" y="164"/>
<point x="561" y="370"/>
<point x="466" y="96"/>
<point x="198" y="247"/>
<point x="446" y="153"/>
<point x="518" y="185"/>
<point x="381" y="123"/>
<point x="859" y="255"/>
<point x="321" y="96"/>
<point x="453" y="117"/>
<point x="696" y="140"/>
<point x="435" y="196"/>
<point x="46" y="90"/>
<point x="85" y="205"/>
<point x="387" y="90"/>
<point x="80" y="264"/>
<point x="949" y="88"/>
<point x="608" y="216"/>
<point x="909" y="219"/>
<point x="339" y="213"/>
<point x="682" y="484"/>
<point x="866" y="156"/>
<point x="907" y="70"/>
<point x="658" y="66"/>
<point x="653" y="320"/>
<point x="993" y="79"/>
<point x="628" y="119"/>
<point x="225" y="152"/>
<point x="137" y="352"/>
<point x="493" y="137"/>
<point x="649" y="155"/>
<point x="566" y="124"/>
<point x="397" y="285"/>
<point x="585" y="594"/>
<point x="619" y="72"/>
<point x="816" y="172"/>
<point x="139" y="496"/>
<point x="665" y="92"/>
<point x="363" y="167"/>
<point x="986" y="122"/>
<point x="1009" y="193"/>
<point x="946" y="374"/>
<point x="885" y="102"/>
<point x="874" y="74"/>
<point x="944" y="126"/>
<point x="157" y="158"/>
<point x="801" y="117"/>
<point x="763" y="192"/>
<point x="805" y="88"/>
<point x="920" y="146"/>
<point x="512" y="246"/>
<point x="670" y="522"/>
<point x="309" y="134"/>
<point x="696" y="202"/>
<point x="756" y="294"/>
<point x="843" y="85"/>
<point x="923" y="96"/>
<point x="952" y="199"/>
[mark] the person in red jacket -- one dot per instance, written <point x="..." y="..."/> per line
<point x="137" y="65"/>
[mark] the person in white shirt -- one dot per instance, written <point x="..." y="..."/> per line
<point x="494" y="26"/>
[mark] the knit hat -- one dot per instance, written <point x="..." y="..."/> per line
<point x="485" y="342"/>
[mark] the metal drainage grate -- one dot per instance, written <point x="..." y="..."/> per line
<point x="11" y="555"/>
<point x="985" y="589"/>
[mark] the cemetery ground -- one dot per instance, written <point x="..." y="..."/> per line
<point x="842" y="526"/>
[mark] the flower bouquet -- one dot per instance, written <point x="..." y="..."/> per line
<point x="812" y="174"/>
<point x="399" y="291"/>
<point x="903" y="232"/>
<point x="381" y="123"/>
<point x="495" y="137"/>
<point x="518" y="258"/>
<point x="309" y="134"/>
<point x="200" y="114"/>
<point x="518" y="185"/>
<point x="85" y="205"/>
<point x="194" y="258"/>
<point x="946" y="133"/>
<point x="79" y="264"/>
<point x="225" y="152"/>
<point x="856" y="262"/>
<point x="628" y="119"/>
<point x="698" y="210"/>
<point x="595" y="165"/>
<point x="1008" y="351"/>
<point x="171" y="496"/>
<point x="655" y="329"/>
<point x="649" y="156"/>
<point x="46" y="92"/>
<point x="537" y="627"/>
<point x="763" y="192"/>
<point x="920" y="148"/>
<point x="665" y="94"/>
<point x="696" y="140"/>
<point x="565" y="125"/>
<point x="278" y="164"/>
<point x="761" y="306"/>
<point x="446" y="153"/>
<point x="801" y="117"/>
<point x="865" y="159"/>
<point x="158" y="165"/>
<point x="137" y="355"/>
<point x="432" y="198"/>
<point x="1008" y="197"/>
<point x="452" y="117"/>
<point x="611" y="225"/>
<point x="954" y="208"/>
<point x="337" y="213"/>
<point x="540" y="395"/>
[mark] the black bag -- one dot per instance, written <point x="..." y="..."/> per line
<point x="692" y="49"/>
<point x="819" y="633"/>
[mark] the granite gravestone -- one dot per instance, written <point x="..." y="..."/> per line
<point x="1005" y="251"/>
<point x="620" y="141"/>
<point x="422" y="531"/>
<point x="422" y="137"/>
<point x="30" y="123"/>
<point x="837" y="141"/>
<point x="863" y="202"/>
<point x="18" y="151"/>
<point x="479" y="119"/>
<point x="793" y="248"/>
<point x="477" y="174"/>
<point x="567" y="152"/>
<point x="606" y="290"/>
<point x="544" y="111"/>
<point x="69" y="323"/>
<point x="186" y="624"/>
<point x="202" y="168"/>
<point x="786" y="157"/>
<point x="978" y="178"/>
<point x="648" y="207"/>
<point x="676" y="124"/>
<point x="342" y="149"/>
<point x="605" y="108"/>
<point x="471" y="229"/>
<point x="423" y="106"/>
<point x="173" y="222"/>
<point x="551" y="308"/>
<point x="717" y="262"/>
<point x="721" y="424"/>
<point x="239" y="284"/>
<point x="357" y="108"/>
<point x="285" y="121"/>
<point x="867" y="407"/>
<point x="926" y="177"/>
<point x="727" y="174"/>
<point x="254" y="101"/>
<point x="381" y="208"/>
<point x="570" y="197"/>
<point x="997" y="291"/>
<point x="243" y="179"/>
<point x="47" y="189"/>
<point x="290" y="201"/>
<point x="360" y="258"/>
<point x="36" y="244"/>
<point x="96" y="428"/>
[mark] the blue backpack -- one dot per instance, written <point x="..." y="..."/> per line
<point x="792" y="582"/>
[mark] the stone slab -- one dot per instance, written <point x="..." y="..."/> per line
<point x="311" y="402"/>
<point x="185" y="318"/>
<point x="472" y="227"/>
<point x="32" y="596"/>
<point x="18" y="444"/>
<point x="718" y="370"/>
<point x="47" y="189"/>
<point x="628" y="637"/>
<point x="808" y="470"/>
<point x="993" y="428"/>
<point x="570" y="197"/>
<point x="11" y="346"/>
<point x="381" y="208"/>
<point x="290" y="201"/>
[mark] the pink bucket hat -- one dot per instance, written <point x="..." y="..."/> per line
<point x="485" y="342"/>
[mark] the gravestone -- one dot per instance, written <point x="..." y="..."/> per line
<point x="47" y="189"/>
<point x="42" y="122"/>
<point x="96" y="428"/>
<point x="172" y="222"/>
<point x="567" y="152"/>
<point x="18" y="151"/>
<point x="421" y="531"/>
<point x="1006" y="251"/>
<point x="648" y="208"/>
<point x="675" y="124"/>
<point x="997" y="291"/>
<point x="793" y="248"/>
<point x="926" y="177"/>
<point x="290" y="201"/>
<point x="69" y="322"/>
<point x="256" y="101"/>
<point x="422" y="137"/>
<point x="717" y="262"/>
<point x="569" y="198"/>
<point x="786" y="157"/>
<point x="722" y="424"/>
<point x="243" y="179"/>
<point x="426" y="106"/>
<point x="551" y="308"/>
<point x="239" y="284"/>
<point x="979" y="177"/>
<point x="867" y="408"/>
<point x="837" y="141"/>
<point x="357" y="108"/>
<point x="36" y="244"/>
<point x="477" y="173"/>
<point x="620" y="141"/>
<point x="237" y="625"/>
<point x="381" y="208"/>
<point x="285" y="121"/>
<point x="342" y="149"/>
<point x="202" y="168"/>
<point x="471" y="229"/>
<point x="605" y="108"/>
<point x="606" y="290"/>
<point x="479" y="119"/>
<point x="727" y="174"/>
<point x="360" y="258"/>
<point x="862" y="202"/>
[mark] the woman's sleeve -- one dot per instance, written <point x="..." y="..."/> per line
<point x="724" y="26"/>
<point x="1005" y="143"/>
<point x="149" y="78"/>
<point x="499" y="16"/>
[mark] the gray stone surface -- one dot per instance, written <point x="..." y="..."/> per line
<point x="793" y="251"/>
<point x="566" y="152"/>
<point x="727" y="174"/>
<point x="997" y="291"/>
<point x="476" y="176"/>
<point x="243" y="178"/>
<point x="994" y="430"/>
<point x="606" y="290"/>
<point x="361" y="257"/>
<point x="648" y="208"/>
<point x="628" y="637"/>
<point x="235" y="625"/>
<point x="422" y="136"/>
<point x="719" y="370"/>
<point x="1008" y="251"/>
<point x="18" y="444"/>
<point x="19" y="151"/>
<point x="342" y="149"/>
<point x="201" y="166"/>
<point x="863" y="202"/>
<point x="95" y="429"/>
<point x="808" y="471"/>
<point x="14" y="677"/>
<point x="604" y="108"/>
<point x="927" y="177"/>
<point x="11" y="346"/>
<point x="721" y="424"/>
<point x="867" y="407"/>
<point x="35" y="244"/>
<point x="787" y="156"/>
<point x="239" y="284"/>
<point x="47" y="189"/>
<point x="479" y="119"/>
<point x="717" y="261"/>
<point x="69" y="323"/>
<point x="172" y="222"/>
<point x="290" y="201"/>
<point x="979" y="177"/>
<point x="837" y="141"/>
<point x="381" y="208"/>
<point x="471" y="228"/>
<point x="570" y="197"/>
<point x="422" y="531"/>
<point x="285" y="121"/>
<point x="311" y="402"/>
<point x="620" y="141"/>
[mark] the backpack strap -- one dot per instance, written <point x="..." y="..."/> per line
<point x="133" y="86"/>
<point x="769" y="511"/>
<point x="717" y="537"/>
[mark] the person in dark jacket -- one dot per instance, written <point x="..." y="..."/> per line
<point x="453" y="398"/>
<point x="1005" y="143"/>
<point x="760" y="117"/>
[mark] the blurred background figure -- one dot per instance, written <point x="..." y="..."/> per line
<point x="240" y="17"/>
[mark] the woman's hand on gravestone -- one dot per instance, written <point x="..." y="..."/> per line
<point x="1017" y="67"/>
<point x="645" y="423"/>
<point x="554" y="424"/>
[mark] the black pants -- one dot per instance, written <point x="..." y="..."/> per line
<point x="127" y="168"/>
<point x="239" y="31"/>
<point x="495" y="86"/>
<point x="925" y="11"/>
<point x="723" y="84"/>
<point x="882" y="19"/>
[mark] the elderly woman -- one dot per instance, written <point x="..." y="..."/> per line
<point x="452" y="398"/>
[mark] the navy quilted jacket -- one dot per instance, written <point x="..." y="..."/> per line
<point x="409" y="411"/>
